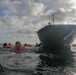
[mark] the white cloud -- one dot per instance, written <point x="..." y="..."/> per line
<point x="22" y="8"/>
<point x="23" y="18"/>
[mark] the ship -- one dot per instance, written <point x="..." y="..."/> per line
<point x="56" y="36"/>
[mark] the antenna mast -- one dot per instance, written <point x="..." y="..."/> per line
<point x="53" y="18"/>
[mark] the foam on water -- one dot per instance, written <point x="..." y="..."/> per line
<point x="29" y="63"/>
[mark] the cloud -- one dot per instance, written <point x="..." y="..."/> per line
<point x="55" y="4"/>
<point x="21" y="19"/>
<point x="20" y="8"/>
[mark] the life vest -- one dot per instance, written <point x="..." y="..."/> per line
<point x="22" y="48"/>
<point x="29" y="45"/>
<point x="7" y="46"/>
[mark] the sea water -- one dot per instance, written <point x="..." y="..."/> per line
<point x="31" y="63"/>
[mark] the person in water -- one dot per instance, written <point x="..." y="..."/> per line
<point x="18" y="47"/>
<point x="5" y="45"/>
<point x="9" y="44"/>
<point x="25" y="44"/>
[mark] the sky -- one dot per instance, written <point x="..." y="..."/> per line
<point x="21" y="19"/>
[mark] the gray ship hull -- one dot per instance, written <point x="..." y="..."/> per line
<point x="54" y="35"/>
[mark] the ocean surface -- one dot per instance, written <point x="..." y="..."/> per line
<point x="31" y="63"/>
